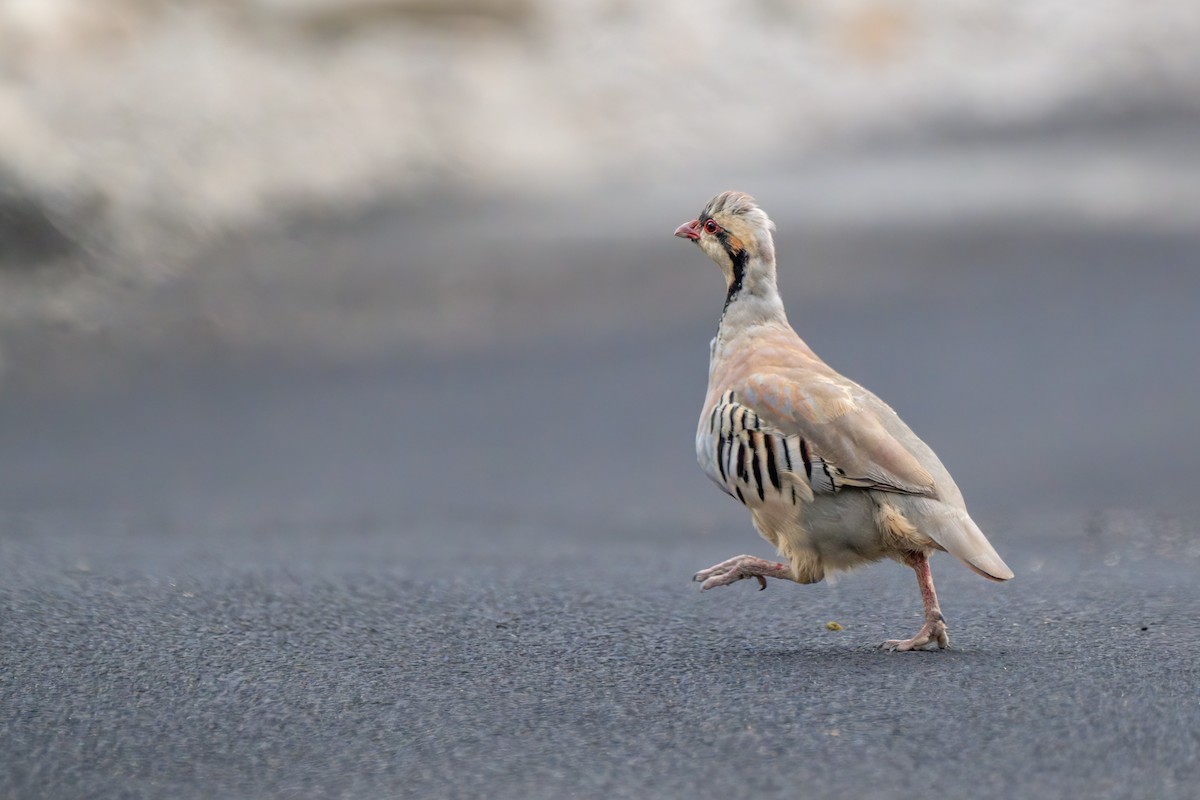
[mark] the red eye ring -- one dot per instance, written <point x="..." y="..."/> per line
<point x="711" y="226"/>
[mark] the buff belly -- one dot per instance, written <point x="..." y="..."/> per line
<point x="837" y="532"/>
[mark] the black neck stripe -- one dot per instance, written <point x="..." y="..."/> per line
<point x="738" y="258"/>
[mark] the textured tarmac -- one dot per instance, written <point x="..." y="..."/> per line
<point x="468" y="575"/>
<point x="559" y="680"/>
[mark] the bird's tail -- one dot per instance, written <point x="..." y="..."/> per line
<point x="954" y="530"/>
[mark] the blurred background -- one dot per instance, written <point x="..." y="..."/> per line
<point x="349" y="374"/>
<point x="408" y="266"/>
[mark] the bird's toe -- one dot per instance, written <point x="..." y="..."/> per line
<point x="935" y="634"/>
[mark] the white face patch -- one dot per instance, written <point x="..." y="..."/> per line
<point x="714" y="249"/>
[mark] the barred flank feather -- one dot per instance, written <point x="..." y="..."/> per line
<point x="747" y="454"/>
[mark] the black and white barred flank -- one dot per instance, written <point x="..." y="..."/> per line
<point x="754" y="460"/>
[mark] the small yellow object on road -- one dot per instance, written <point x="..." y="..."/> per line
<point x="832" y="626"/>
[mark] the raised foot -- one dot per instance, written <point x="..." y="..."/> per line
<point x="930" y="633"/>
<point x="738" y="568"/>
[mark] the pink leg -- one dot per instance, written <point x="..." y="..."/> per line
<point x="739" y="567"/>
<point x="934" y="629"/>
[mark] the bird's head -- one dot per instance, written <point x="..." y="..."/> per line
<point x="736" y="234"/>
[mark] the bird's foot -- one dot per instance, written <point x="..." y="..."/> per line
<point x="740" y="567"/>
<point x="932" y="632"/>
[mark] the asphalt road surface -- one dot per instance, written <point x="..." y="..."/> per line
<point x="465" y="573"/>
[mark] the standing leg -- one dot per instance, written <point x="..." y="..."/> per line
<point x="934" y="629"/>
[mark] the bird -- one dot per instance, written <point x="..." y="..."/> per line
<point x="830" y="474"/>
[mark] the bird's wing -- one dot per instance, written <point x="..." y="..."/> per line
<point x="834" y="431"/>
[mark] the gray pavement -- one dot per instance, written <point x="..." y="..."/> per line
<point x="463" y="571"/>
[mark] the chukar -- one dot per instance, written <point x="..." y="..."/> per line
<point x="832" y="477"/>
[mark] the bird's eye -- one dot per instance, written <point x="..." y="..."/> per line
<point x="711" y="226"/>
